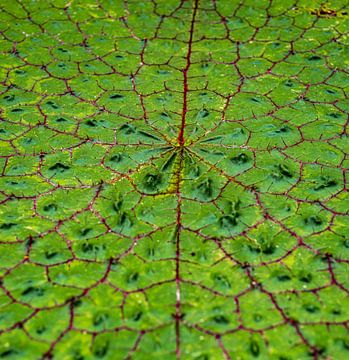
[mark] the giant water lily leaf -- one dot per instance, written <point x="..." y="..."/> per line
<point x="174" y="179"/>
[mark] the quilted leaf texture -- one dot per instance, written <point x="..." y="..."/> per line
<point x="174" y="179"/>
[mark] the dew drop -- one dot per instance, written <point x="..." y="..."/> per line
<point x="313" y="220"/>
<point x="59" y="167"/>
<point x="116" y="158"/>
<point x="314" y="58"/>
<point x="221" y="319"/>
<point x="310" y="308"/>
<point x="50" y="207"/>
<point x="127" y="129"/>
<point x="205" y="189"/>
<point x="228" y="221"/>
<point x="306" y="278"/>
<point x="137" y="316"/>
<point x="50" y="254"/>
<point x="91" y="123"/>
<point x="7" y="226"/>
<point x="59" y="120"/>
<point x="152" y="181"/>
<point x="116" y="96"/>
<point x="254" y="348"/>
<point x="133" y="277"/>
<point x="101" y="351"/>
<point x="240" y="159"/>
<point x="100" y="319"/>
<point x="9" y="98"/>
<point x="283" y="277"/>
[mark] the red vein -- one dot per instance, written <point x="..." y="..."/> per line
<point x="178" y="314"/>
<point x="185" y="75"/>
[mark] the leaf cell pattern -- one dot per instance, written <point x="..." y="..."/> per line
<point x="174" y="179"/>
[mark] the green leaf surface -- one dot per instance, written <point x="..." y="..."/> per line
<point x="174" y="179"/>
